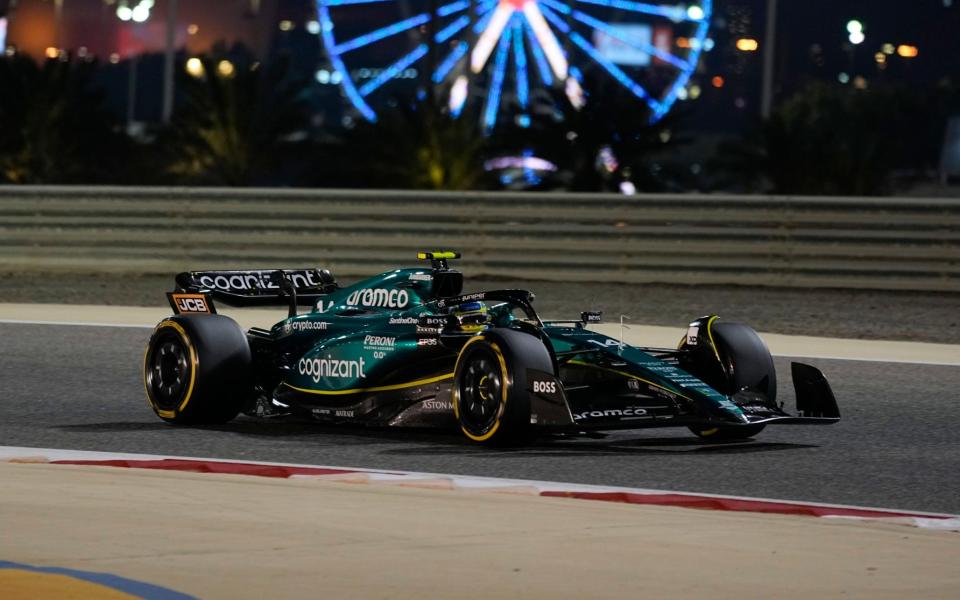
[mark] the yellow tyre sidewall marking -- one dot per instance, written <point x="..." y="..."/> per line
<point x="171" y="414"/>
<point x="712" y="343"/>
<point x="380" y="388"/>
<point x="483" y="395"/>
<point x="709" y="432"/>
<point x="504" y="389"/>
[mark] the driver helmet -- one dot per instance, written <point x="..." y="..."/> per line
<point x="471" y="316"/>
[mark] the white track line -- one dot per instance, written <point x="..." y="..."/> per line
<point x="75" y="323"/>
<point x="892" y="360"/>
<point x="874" y="359"/>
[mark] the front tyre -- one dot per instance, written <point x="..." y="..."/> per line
<point x="196" y="369"/>
<point x="490" y="397"/>
<point x="727" y="433"/>
<point x="733" y="357"/>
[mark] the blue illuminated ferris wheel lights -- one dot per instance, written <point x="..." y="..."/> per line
<point x="512" y="32"/>
<point x="520" y="61"/>
<point x="673" y="13"/>
<point x="452" y="29"/>
<point x="391" y="71"/>
<point x="453" y="7"/>
<point x="382" y="33"/>
<point x="538" y="57"/>
<point x="496" y="86"/>
<point x="458" y="52"/>
<point x="613" y="32"/>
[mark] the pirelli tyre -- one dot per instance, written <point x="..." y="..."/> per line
<point x="744" y="363"/>
<point x="196" y="369"/>
<point x="490" y="397"/>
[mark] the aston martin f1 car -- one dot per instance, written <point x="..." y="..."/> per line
<point x="409" y="348"/>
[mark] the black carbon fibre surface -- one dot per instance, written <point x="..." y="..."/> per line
<point x="897" y="447"/>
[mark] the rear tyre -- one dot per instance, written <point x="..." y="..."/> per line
<point x="490" y="397"/>
<point x="733" y="357"/>
<point x="196" y="369"/>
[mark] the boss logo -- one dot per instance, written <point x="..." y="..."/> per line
<point x="544" y="387"/>
<point x="432" y="321"/>
<point x="191" y="303"/>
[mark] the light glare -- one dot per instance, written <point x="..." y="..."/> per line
<point x="489" y="37"/>
<point x="140" y="13"/>
<point x="225" y="69"/>
<point x="458" y="95"/>
<point x="555" y="56"/>
<point x="695" y="13"/>
<point x="195" y="67"/>
<point x="906" y="51"/>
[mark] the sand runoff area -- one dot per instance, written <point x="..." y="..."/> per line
<point x="236" y="536"/>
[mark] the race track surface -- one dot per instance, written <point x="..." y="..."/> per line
<point x="78" y="387"/>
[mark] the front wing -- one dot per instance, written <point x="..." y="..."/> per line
<point x="556" y="405"/>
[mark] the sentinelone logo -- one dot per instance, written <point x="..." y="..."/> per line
<point x="331" y="367"/>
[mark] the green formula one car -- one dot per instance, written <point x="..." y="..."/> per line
<point x="408" y="348"/>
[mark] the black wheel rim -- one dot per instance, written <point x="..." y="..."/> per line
<point x="481" y="389"/>
<point x="168" y="371"/>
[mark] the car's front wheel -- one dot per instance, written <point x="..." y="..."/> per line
<point x="731" y="357"/>
<point x="490" y="397"/>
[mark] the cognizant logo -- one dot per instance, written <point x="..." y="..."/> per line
<point x="331" y="367"/>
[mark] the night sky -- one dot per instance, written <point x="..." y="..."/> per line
<point x="812" y="46"/>
<point x="928" y="24"/>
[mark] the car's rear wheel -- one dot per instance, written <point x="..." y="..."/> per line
<point x="196" y="369"/>
<point x="490" y="397"/>
<point x="732" y="357"/>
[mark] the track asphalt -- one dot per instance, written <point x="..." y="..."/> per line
<point x="79" y="387"/>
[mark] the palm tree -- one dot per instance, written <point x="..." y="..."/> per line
<point x="829" y="140"/>
<point x="240" y="123"/>
<point x="54" y="125"/>
<point x="416" y="145"/>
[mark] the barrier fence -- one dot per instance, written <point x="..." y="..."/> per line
<point x="876" y="243"/>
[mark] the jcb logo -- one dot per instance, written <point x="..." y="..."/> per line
<point x="191" y="304"/>
<point x="544" y="387"/>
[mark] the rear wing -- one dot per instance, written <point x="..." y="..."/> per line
<point x="267" y="287"/>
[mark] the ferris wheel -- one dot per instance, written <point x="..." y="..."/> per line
<point x="500" y="52"/>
